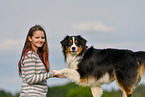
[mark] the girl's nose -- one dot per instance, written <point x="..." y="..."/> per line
<point x="41" y="39"/>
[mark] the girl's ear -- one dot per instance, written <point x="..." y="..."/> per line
<point x="29" y="38"/>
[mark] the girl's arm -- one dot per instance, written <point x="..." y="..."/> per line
<point x="29" y="68"/>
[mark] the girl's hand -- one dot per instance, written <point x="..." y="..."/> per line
<point x="58" y="75"/>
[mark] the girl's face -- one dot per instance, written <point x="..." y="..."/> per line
<point x="37" y="40"/>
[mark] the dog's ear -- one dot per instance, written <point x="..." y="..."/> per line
<point x="84" y="41"/>
<point x="64" y="41"/>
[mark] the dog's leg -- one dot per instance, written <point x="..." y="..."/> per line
<point x="126" y="90"/>
<point x="71" y="74"/>
<point x="96" y="91"/>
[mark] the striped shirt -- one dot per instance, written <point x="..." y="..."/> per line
<point x="34" y="76"/>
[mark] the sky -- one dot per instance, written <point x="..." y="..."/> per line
<point x="103" y="23"/>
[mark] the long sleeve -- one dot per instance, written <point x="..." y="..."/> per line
<point x="29" y="69"/>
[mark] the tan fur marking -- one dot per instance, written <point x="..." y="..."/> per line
<point x="141" y="70"/>
<point x="67" y="51"/>
<point x="77" y="68"/>
<point x="83" y="81"/>
<point x="71" y="41"/>
<point x="76" y="41"/>
<point x="79" y="50"/>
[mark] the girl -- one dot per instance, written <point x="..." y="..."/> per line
<point x="34" y="64"/>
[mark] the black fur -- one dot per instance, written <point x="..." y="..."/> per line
<point x="121" y="64"/>
<point x="96" y="62"/>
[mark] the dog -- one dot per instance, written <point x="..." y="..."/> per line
<point x="94" y="67"/>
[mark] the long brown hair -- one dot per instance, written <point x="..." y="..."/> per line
<point x="42" y="51"/>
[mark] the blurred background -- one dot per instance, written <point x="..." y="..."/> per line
<point x="103" y="23"/>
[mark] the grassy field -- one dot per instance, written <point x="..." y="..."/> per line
<point x="73" y="90"/>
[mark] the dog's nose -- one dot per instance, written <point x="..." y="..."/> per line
<point x="73" y="48"/>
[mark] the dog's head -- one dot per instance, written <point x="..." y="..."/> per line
<point x="74" y="45"/>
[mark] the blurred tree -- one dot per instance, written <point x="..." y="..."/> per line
<point x="139" y="91"/>
<point x="60" y="91"/>
<point x="79" y="92"/>
<point x="17" y="94"/>
<point x="5" y="94"/>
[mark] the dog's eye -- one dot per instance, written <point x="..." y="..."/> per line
<point x="76" y="42"/>
<point x="70" y="42"/>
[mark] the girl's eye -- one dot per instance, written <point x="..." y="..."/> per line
<point x="42" y="37"/>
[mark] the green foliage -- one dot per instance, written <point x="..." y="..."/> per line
<point x="5" y="94"/>
<point x="17" y="94"/>
<point x="73" y="90"/>
<point x="60" y="90"/>
<point x="139" y="91"/>
<point x="113" y="93"/>
<point x="79" y="92"/>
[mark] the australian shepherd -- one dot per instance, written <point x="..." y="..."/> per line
<point x="94" y="67"/>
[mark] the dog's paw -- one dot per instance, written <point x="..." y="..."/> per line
<point x="56" y="71"/>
